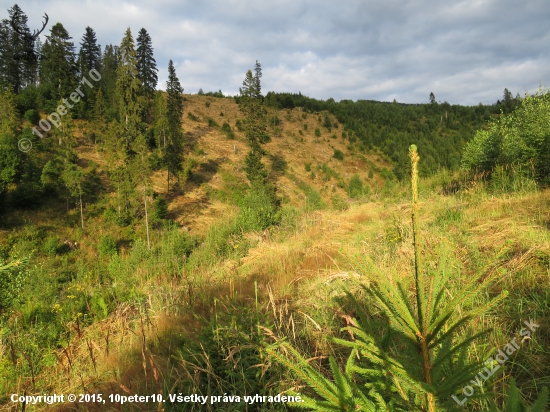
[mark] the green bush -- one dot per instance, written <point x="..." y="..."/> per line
<point x="107" y="246"/>
<point x="239" y="125"/>
<point x="338" y="154"/>
<point x="212" y="122"/>
<point x="317" y="132"/>
<point x="257" y="211"/>
<point x="355" y="187"/>
<point x="50" y="246"/>
<point x="160" y="208"/>
<point x="12" y="277"/>
<point x="226" y="127"/>
<point x="32" y="116"/>
<point x="521" y="138"/>
<point x="192" y="116"/>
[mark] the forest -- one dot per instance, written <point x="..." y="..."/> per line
<point x="267" y="251"/>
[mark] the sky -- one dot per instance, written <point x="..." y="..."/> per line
<point x="465" y="52"/>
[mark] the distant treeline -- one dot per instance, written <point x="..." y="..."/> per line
<point x="439" y="129"/>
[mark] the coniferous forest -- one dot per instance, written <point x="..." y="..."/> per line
<point x="166" y="250"/>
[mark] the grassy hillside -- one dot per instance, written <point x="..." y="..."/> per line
<point x="197" y="312"/>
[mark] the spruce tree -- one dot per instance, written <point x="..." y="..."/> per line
<point x="108" y="72"/>
<point x="90" y="52"/>
<point x="128" y="91"/>
<point x="89" y="58"/>
<point x="173" y="153"/>
<point x="257" y="76"/>
<point x="251" y="104"/>
<point x="18" y="61"/>
<point x="129" y="135"/>
<point x="58" y="68"/>
<point x="146" y="64"/>
<point x="4" y="53"/>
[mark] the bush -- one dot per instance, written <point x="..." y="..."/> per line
<point x="521" y="138"/>
<point x="338" y="154"/>
<point x="160" y="208"/>
<point x="317" y="132"/>
<point x="212" y="122"/>
<point x="32" y="116"/>
<point x="239" y="125"/>
<point x="192" y="116"/>
<point x="257" y="211"/>
<point x="355" y="187"/>
<point x="50" y="246"/>
<point x="12" y="277"/>
<point x="107" y="246"/>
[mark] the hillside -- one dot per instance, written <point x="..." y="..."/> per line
<point x="297" y="157"/>
<point x="193" y="293"/>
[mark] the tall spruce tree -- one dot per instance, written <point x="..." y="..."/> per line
<point x="134" y="169"/>
<point x="58" y="68"/>
<point x="4" y="53"/>
<point x="173" y="152"/>
<point x="146" y="64"/>
<point x="90" y="52"/>
<point x="17" y="59"/>
<point x="257" y="76"/>
<point x="130" y="99"/>
<point x="89" y="58"/>
<point x="251" y="104"/>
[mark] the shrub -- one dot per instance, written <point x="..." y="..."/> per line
<point x="274" y="121"/>
<point x="32" y="116"/>
<point x="521" y="138"/>
<point x="50" y="246"/>
<point x="327" y="122"/>
<point x="207" y="104"/>
<point x="308" y="167"/>
<point x="355" y="187"/>
<point x="239" y="125"/>
<point x="160" y="208"/>
<point x="226" y="128"/>
<point x="12" y="277"/>
<point x="192" y="117"/>
<point x="257" y="211"/>
<point x="212" y="122"/>
<point x="317" y="132"/>
<point x="338" y="154"/>
<point x="305" y="126"/>
<point x="107" y="246"/>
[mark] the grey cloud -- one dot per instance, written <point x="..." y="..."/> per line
<point x="463" y="51"/>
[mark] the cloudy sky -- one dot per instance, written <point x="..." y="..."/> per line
<point x="466" y="52"/>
